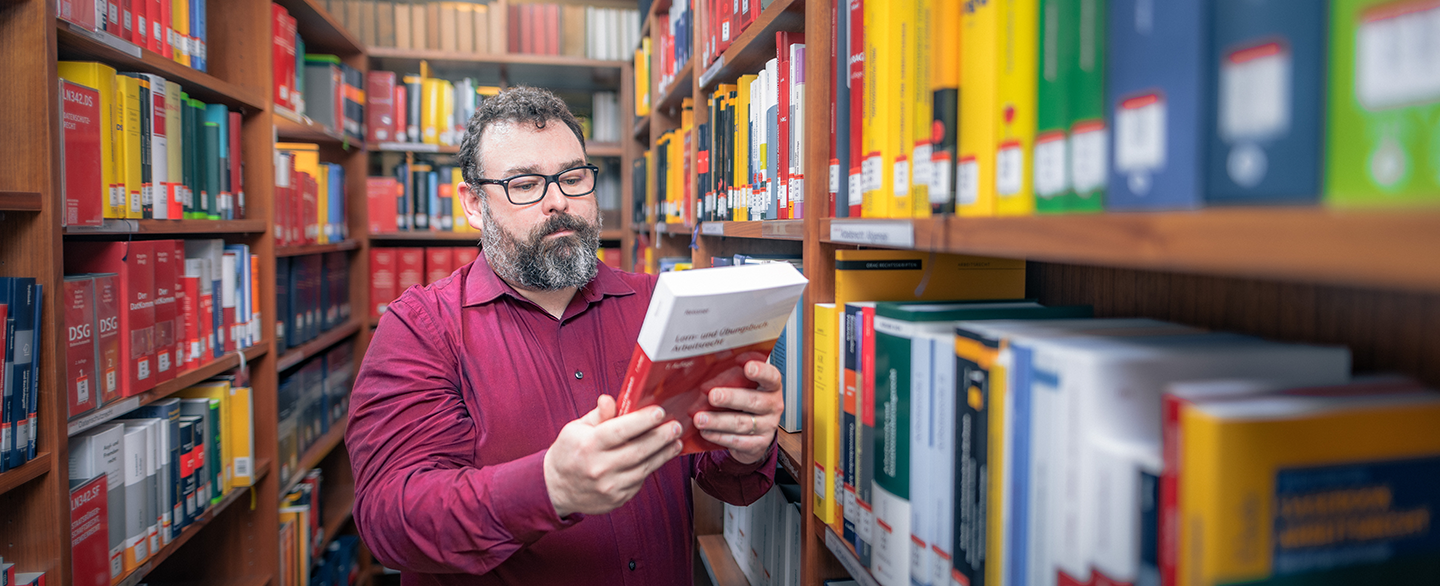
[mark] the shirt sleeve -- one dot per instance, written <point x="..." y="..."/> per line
<point x="420" y="503"/>
<point x="722" y="477"/>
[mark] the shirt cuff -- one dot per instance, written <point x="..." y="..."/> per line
<point x="519" y="489"/>
<point x="729" y="465"/>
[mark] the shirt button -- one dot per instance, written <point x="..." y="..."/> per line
<point x="579" y="375"/>
<point x="632" y="565"/>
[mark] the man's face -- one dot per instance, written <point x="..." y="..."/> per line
<point x="547" y="245"/>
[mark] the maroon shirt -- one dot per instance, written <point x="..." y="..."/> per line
<point x="464" y="387"/>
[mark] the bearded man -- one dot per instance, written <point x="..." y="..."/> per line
<point x="483" y="429"/>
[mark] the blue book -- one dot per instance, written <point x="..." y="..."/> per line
<point x="1267" y="118"/>
<point x="198" y="30"/>
<point x="1156" y="89"/>
<point x="32" y="401"/>
<point x="338" y="229"/>
<point x="282" y="303"/>
<point x="220" y="115"/>
<point x="432" y="194"/>
<point x="19" y="358"/>
<point x="7" y="359"/>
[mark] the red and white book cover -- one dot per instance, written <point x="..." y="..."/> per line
<point x="189" y="335"/>
<point x="134" y="264"/>
<point x="464" y="255"/>
<point x="166" y="269"/>
<point x="382" y="280"/>
<point x="89" y="534"/>
<point x="701" y="329"/>
<point x="283" y="64"/>
<point x="380" y="201"/>
<point x="438" y="263"/>
<point x="107" y="337"/>
<point x="80" y="154"/>
<point x="79" y="306"/>
<point x="237" y="163"/>
<point x="409" y="269"/>
<point x="182" y="298"/>
<point x="380" y="105"/>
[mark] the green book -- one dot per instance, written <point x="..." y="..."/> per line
<point x="1088" y="144"/>
<point x="212" y="170"/>
<point x="1058" y="45"/>
<point x="187" y="156"/>
<point x="1381" y="146"/>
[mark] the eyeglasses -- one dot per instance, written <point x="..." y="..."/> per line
<point x="530" y="188"/>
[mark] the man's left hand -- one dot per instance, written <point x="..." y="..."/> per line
<point x="749" y="431"/>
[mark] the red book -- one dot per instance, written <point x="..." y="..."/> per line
<point x="857" y="99"/>
<point x="380" y="105"/>
<point x="380" y="202"/>
<point x="783" y="42"/>
<point x="167" y="269"/>
<point x="231" y="281"/>
<point x="190" y="320"/>
<point x="552" y="28"/>
<point x="137" y="22"/>
<point x="181" y="344"/>
<point x="127" y="21"/>
<point x="512" y="30"/>
<point x="80" y="152"/>
<point x="409" y="269"/>
<point x="724" y="23"/>
<point x="133" y="262"/>
<point x="463" y="255"/>
<point x="439" y="261"/>
<point x="89" y="533"/>
<point x="283" y="50"/>
<point x="167" y="29"/>
<point x="397" y="132"/>
<point x="107" y="338"/>
<point x="702" y="327"/>
<point x="156" y="38"/>
<point x="79" y="305"/>
<point x="382" y="280"/>
<point x="529" y="30"/>
<point x="80" y="12"/>
<point x="237" y="179"/>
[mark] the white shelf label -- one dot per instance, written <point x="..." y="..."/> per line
<point x="898" y="233"/>
<point x="106" y="413"/>
<point x="712" y="228"/>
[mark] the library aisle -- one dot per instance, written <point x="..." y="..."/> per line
<point x="1100" y="292"/>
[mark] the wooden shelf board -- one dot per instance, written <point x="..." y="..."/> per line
<point x="419" y="236"/>
<point x="304" y="249"/>
<point x="317" y="452"/>
<point x="604" y="149"/>
<point x="719" y="564"/>
<point x="290" y="127"/>
<point x="791" y="449"/>
<point x="680" y="88"/>
<point x="410" y="147"/>
<point x="12" y="479"/>
<point x="321" y="343"/>
<point x="491" y="58"/>
<point x="755" y="45"/>
<point x="761" y="229"/>
<point x="322" y="33"/>
<point x="182" y="380"/>
<point x="847" y="557"/>
<point x="134" y="577"/>
<point x="642" y="129"/>
<point x="77" y="43"/>
<point x="1377" y="249"/>
<point x="20" y="201"/>
<point x="170" y="228"/>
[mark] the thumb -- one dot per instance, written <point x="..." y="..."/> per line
<point x="605" y="405"/>
<point x="594" y="417"/>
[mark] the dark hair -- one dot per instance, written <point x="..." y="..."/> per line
<point x="521" y="104"/>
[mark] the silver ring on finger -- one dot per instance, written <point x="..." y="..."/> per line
<point x="754" y="429"/>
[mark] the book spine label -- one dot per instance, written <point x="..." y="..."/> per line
<point x="79" y="305"/>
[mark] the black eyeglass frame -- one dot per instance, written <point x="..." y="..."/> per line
<point x="505" y="184"/>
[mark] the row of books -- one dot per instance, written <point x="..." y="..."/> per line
<point x="452" y="27"/>
<point x="1077" y="106"/>
<point x="173" y="29"/>
<point x="313" y="397"/>
<point x="139" y="312"/>
<point x="310" y="201"/>
<point x="340" y="565"/>
<point x="21" y="305"/>
<point x="9" y="575"/>
<point x="764" y="537"/>
<point x="319" y="86"/>
<point x="305" y="558"/>
<point x="395" y="270"/>
<point x="672" y="45"/>
<point x="137" y="146"/>
<point x="1009" y="443"/>
<point x="421" y="109"/>
<point x="312" y="295"/>
<point x="138" y="481"/>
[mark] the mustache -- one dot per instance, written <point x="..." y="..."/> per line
<point x="560" y="222"/>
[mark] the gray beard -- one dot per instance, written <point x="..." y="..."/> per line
<point x="537" y="264"/>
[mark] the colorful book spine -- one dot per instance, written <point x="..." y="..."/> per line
<point x="1089" y="142"/>
<point x="979" y="78"/>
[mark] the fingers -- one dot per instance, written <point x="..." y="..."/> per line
<point x="764" y="373"/>
<point x="604" y="411"/>
<point x="729" y="422"/>
<point x="753" y="401"/>
<point x="740" y="444"/>
<point x="619" y="430"/>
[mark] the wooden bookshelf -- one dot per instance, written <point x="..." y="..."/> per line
<point x="317" y="452"/>
<point x="846" y="556"/>
<point x="764" y="229"/>
<point x="76" y="44"/>
<point x="755" y="45"/>
<point x="19" y="201"/>
<point x="294" y="356"/>
<point x="11" y="479"/>
<point x="321" y="31"/>
<point x="182" y="381"/>
<point x="304" y="249"/>
<point x="442" y="58"/>
<point x="720" y="566"/>
<point x="170" y="228"/>
<point x="418" y="236"/>
<point x="642" y="129"/>
<point x="604" y="149"/>
<point x="291" y="127"/>
<point x="681" y="87"/>
<point x="594" y="149"/>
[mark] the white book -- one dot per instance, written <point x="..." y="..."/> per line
<point x="137" y="499"/>
<point x="97" y="451"/>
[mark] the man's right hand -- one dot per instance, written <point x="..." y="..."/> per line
<point x="600" y="461"/>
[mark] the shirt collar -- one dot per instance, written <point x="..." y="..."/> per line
<point x="483" y="286"/>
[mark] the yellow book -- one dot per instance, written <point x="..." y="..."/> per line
<point x="650" y="188"/>
<point x="461" y="223"/>
<point x="975" y="162"/>
<point x="322" y="203"/>
<point x="898" y="67"/>
<point x="101" y="77"/>
<point x="299" y="557"/>
<point x="1015" y="106"/>
<point x="742" y="146"/>
<point x="240" y="433"/>
<point x="180" y="21"/>
<point x="218" y="391"/>
<point x="129" y="145"/>
<point x="1271" y="485"/>
<point x="175" y="151"/>
<point x="675" y="180"/>
<point x="826" y="425"/>
<point x="894" y="275"/>
<point x="430" y="110"/>
<point x="921" y="151"/>
<point x="982" y="355"/>
<point x="875" y="202"/>
<point x="642" y="78"/>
